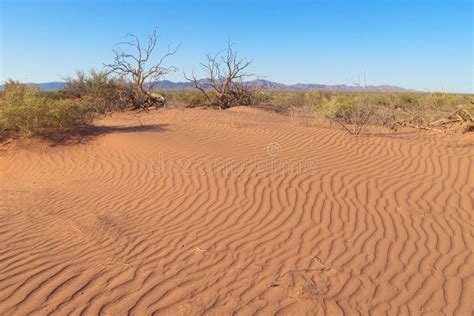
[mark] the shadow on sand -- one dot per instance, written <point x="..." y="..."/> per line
<point x="86" y="133"/>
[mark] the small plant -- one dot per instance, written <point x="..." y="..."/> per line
<point x="351" y="113"/>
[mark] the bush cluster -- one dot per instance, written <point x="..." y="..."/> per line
<point x="100" y="92"/>
<point x="27" y="111"/>
<point x="386" y="109"/>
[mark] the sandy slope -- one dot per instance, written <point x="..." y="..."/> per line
<point x="237" y="211"/>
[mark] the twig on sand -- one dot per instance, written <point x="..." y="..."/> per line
<point x="319" y="261"/>
<point x="323" y="267"/>
<point x="75" y="228"/>
<point x="114" y="263"/>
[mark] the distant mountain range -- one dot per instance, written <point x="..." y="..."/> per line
<point x="265" y="84"/>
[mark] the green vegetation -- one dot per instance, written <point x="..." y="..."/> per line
<point x="100" y="92"/>
<point x="27" y="111"/>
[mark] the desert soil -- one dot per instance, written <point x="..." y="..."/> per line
<point x="187" y="212"/>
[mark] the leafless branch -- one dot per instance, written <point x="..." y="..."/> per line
<point x="133" y="60"/>
<point x="225" y="74"/>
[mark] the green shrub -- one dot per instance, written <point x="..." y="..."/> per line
<point x="353" y="113"/>
<point x="100" y="92"/>
<point x="27" y="111"/>
<point x="183" y="98"/>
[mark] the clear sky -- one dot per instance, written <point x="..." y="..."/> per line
<point x="419" y="44"/>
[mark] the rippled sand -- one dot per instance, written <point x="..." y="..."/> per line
<point x="200" y="211"/>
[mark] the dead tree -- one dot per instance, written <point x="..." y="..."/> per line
<point x="224" y="84"/>
<point x="133" y="60"/>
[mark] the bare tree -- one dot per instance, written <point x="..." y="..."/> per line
<point x="224" y="83"/>
<point x="134" y="60"/>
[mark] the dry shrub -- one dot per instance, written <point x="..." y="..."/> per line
<point x="224" y="86"/>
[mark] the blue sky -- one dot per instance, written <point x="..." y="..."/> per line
<point x="420" y="44"/>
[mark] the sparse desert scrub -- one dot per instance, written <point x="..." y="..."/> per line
<point x="382" y="109"/>
<point x="27" y="111"/>
<point x="389" y="109"/>
<point x="354" y="112"/>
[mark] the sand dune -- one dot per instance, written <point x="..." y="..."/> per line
<point x="237" y="211"/>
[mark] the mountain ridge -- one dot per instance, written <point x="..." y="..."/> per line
<point x="265" y="84"/>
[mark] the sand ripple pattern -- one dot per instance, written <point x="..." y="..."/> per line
<point x="237" y="212"/>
